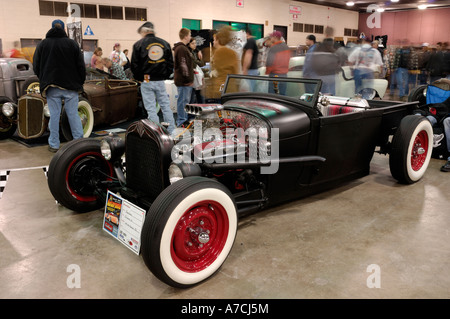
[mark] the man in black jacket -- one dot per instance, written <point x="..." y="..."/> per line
<point x="59" y="64"/>
<point x="152" y="64"/>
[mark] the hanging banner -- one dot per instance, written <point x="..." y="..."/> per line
<point x="75" y="32"/>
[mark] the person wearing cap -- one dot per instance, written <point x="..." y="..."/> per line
<point x="277" y="64"/>
<point x="59" y="64"/>
<point x="152" y="64"/>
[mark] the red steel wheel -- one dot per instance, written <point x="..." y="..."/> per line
<point x="420" y="150"/>
<point x="189" y="231"/>
<point x="199" y="236"/>
<point x="411" y="149"/>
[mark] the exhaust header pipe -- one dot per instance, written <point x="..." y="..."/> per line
<point x="202" y="109"/>
<point x="344" y="101"/>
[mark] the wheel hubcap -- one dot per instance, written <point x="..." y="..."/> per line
<point x="84" y="116"/>
<point x="419" y="151"/>
<point x="199" y="236"/>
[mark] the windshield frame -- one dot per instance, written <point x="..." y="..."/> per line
<point x="310" y="104"/>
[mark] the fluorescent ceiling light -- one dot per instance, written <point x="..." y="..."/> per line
<point x="350" y="3"/>
<point x="394" y="0"/>
<point x="380" y="9"/>
<point x="422" y="6"/>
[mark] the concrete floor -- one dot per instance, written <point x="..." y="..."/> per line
<point x="318" y="247"/>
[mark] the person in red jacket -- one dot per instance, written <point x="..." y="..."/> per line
<point x="277" y="64"/>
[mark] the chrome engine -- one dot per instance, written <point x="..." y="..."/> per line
<point x="217" y="134"/>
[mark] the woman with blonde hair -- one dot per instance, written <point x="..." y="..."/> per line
<point x="223" y="62"/>
<point x="96" y="60"/>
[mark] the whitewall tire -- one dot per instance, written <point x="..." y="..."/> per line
<point x="189" y="231"/>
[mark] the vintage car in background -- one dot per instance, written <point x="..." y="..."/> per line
<point x="16" y="79"/>
<point x="105" y="101"/>
<point x="197" y="182"/>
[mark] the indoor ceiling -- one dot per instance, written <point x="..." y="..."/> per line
<point x="361" y="5"/>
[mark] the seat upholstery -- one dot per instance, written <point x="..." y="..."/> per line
<point x="331" y="110"/>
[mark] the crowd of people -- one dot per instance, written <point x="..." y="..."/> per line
<point x="403" y="65"/>
<point x="154" y="61"/>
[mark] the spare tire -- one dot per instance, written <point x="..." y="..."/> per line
<point x="418" y="94"/>
<point x="31" y="83"/>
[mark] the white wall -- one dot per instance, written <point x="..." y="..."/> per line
<point x="21" y="19"/>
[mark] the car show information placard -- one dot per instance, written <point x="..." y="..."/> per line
<point x="123" y="220"/>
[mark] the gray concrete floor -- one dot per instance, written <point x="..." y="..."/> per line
<point x="317" y="247"/>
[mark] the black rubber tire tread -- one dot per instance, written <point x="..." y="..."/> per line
<point x="57" y="172"/>
<point x="158" y="215"/>
<point x="399" y="153"/>
<point x="12" y="129"/>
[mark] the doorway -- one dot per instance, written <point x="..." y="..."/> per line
<point x="283" y="30"/>
<point x="88" y="47"/>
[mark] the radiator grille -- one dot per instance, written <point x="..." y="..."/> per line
<point x="31" y="117"/>
<point x="144" y="166"/>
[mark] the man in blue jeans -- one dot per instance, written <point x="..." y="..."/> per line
<point x="59" y="64"/>
<point x="183" y="74"/>
<point x="152" y="64"/>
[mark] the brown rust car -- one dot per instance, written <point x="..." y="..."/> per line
<point x="105" y="101"/>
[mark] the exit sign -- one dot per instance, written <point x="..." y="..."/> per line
<point x="295" y="10"/>
<point x="240" y="3"/>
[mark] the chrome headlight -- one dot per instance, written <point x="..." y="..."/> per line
<point x="46" y="110"/>
<point x="175" y="173"/>
<point x="112" y="147"/>
<point x="179" y="171"/>
<point x="8" y="109"/>
<point x="105" y="149"/>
